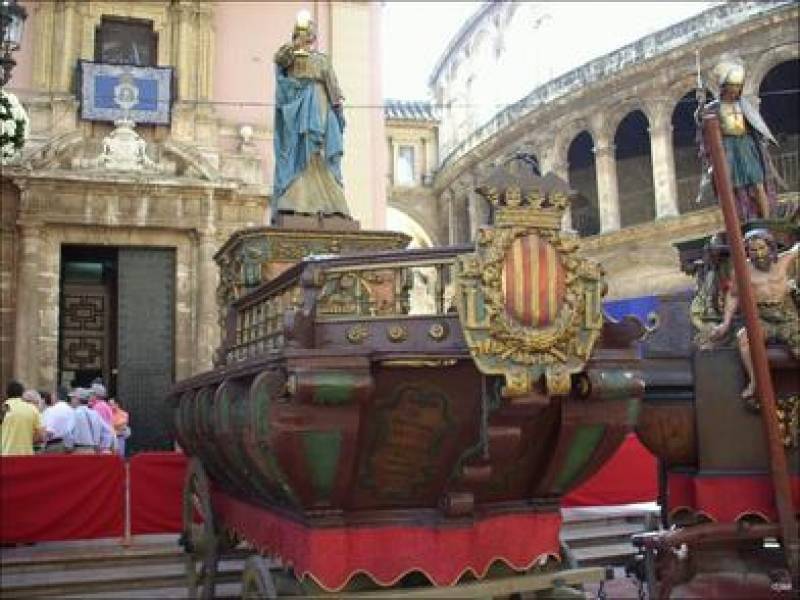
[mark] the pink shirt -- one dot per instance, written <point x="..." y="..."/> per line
<point x="103" y="409"/>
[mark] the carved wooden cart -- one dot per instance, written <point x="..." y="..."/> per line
<point x="730" y="465"/>
<point x="410" y="418"/>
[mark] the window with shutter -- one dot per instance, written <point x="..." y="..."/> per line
<point x="125" y="41"/>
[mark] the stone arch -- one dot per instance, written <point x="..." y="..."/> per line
<point x="617" y="113"/>
<point x="423" y="279"/>
<point x="634" y="169"/>
<point x="676" y="91"/>
<point x="780" y="105"/>
<point x="582" y="176"/>
<point x="766" y="61"/>
<point x="402" y="219"/>
<point x="567" y="134"/>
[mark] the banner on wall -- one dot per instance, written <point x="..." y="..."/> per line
<point x="110" y="92"/>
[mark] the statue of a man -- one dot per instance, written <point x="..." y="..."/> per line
<point x="774" y="279"/>
<point x="309" y="123"/>
<point x="745" y="136"/>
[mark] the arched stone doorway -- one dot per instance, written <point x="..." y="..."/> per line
<point x="634" y="170"/>
<point x="423" y="293"/>
<point x="583" y="179"/>
<point x="780" y="107"/>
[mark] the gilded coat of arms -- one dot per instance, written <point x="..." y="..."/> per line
<point x="529" y="306"/>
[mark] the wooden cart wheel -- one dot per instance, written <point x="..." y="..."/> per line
<point x="257" y="582"/>
<point x="200" y="539"/>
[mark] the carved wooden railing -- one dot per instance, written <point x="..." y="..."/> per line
<point x="386" y="285"/>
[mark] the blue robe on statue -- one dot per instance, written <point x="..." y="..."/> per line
<point x="308" y="148"/>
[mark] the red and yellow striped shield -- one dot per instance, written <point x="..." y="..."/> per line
<point x="533" y="282"/>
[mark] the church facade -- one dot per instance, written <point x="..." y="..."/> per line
<point x="109" y="230"/>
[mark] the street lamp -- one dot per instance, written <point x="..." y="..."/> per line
<point x="12" y="22"/>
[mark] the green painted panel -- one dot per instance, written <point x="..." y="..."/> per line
<point x="224" y="409"/>
<point x="322" y="449"/>
<point x="333" y="388"/>
<point x="584" y="442"/>
<point x="261" y="400"/>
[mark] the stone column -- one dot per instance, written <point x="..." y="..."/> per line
<point x="49" y="312"/>
<point x="662" y="157"/>
<point x="607" y="190"/>
<point x="26" y="349"/>
<point x="183" y="42"/>
<point x="186" y="312"/>
<point x="390" y="174"/>
<point x="183" y="49"/>
<point x="423" y="174"/>
<point x="64" y="64"/>
<point x="207" y="280"/>
<point x="552" y="161"/>
<point x="449" y="198"/>
<point x="477" y="209"/>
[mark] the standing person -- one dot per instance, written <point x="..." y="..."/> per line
<point x="119" y="419"/>
<point x="90" y="435"/>
<point x="22" y="423"/>
<point x="59" y="421"/>
<point x="33" y="398"/>
<point x="98" y="402"/>
<point x="100" y="405"/>
<point x="309" y="127"/>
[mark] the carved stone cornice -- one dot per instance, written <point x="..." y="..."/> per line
<point x="685" y="225"/>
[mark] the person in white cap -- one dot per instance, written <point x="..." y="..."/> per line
<point x="90" y="434"/>
<point x="98" y="402"/>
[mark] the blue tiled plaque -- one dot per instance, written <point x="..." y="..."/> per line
<point x="107" y="88"/>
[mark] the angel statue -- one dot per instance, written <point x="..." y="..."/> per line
<point x="309" y="126"/>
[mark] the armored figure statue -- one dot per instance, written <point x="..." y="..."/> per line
<point x="309" y="126"/>
<point x="774" y="280"/>
<point x="745" y="136"/>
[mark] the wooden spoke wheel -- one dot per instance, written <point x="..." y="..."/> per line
<point x="200" y="537"/>
<point x="257" y="581"/>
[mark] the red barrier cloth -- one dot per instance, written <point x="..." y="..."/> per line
<point x="331" y="556"/>
<point x="61" y="497"/>
<point x="630" y="475"/>
<point x="156" y="486"/>
<point x="727" y="498"/>
<point x="680" y="492"/>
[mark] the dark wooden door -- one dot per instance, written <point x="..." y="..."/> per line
<point x="145" y="343"/>
<point x="85" y="331"/>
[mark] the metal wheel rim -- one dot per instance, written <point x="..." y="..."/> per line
<point x="200" y="540"/>
<point x="257" y="582"/>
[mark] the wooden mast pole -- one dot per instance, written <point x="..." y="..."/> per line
<point x="712" y="135"/>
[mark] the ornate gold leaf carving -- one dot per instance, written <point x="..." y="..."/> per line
<point x="438" y="331"/>
<point x="357" y="334"/>
<point x="526" y="355"/>
<point x="397" y="333"/>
